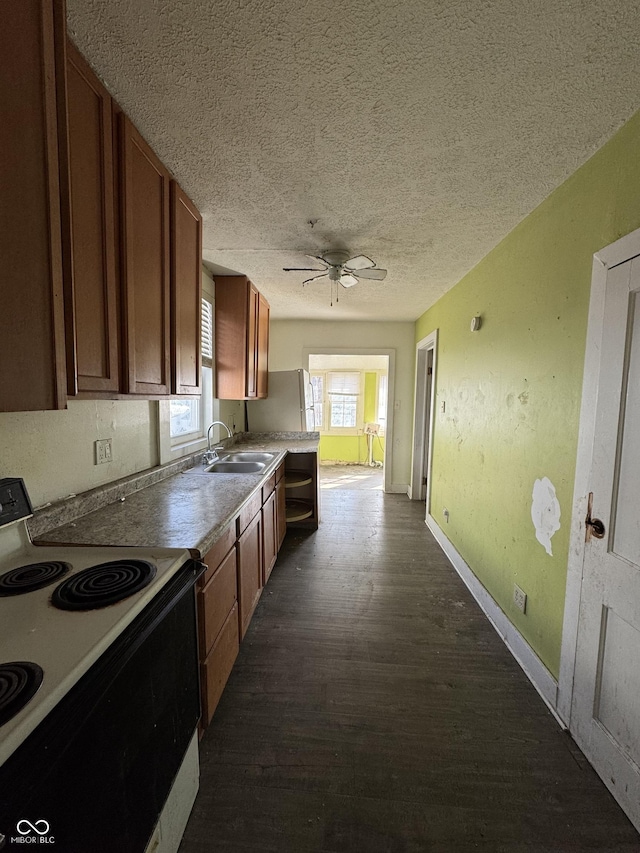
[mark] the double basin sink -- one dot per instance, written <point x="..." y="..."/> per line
<point x="242" y="462"/>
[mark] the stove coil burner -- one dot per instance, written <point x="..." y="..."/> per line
<point x="19" y="682"/>
<point x="31" y="577"/>
<point x="102" y="585"/>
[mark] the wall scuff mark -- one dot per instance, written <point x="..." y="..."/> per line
<point x="545" y="512"/>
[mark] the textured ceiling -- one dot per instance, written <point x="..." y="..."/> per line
<point x="418" y="133"/>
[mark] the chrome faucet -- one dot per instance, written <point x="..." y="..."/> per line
<point x="211" y="453"/>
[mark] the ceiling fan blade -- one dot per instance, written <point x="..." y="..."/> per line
<point x="315" y="278"/>
<point x="302" y="269"/>
<point x="318" y="259"/>
<point x="376" y="274"/>
<point x="347" y="280"/>
<point x="360" y="262"/>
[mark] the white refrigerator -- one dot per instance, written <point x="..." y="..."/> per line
<point x="288" y="406"/>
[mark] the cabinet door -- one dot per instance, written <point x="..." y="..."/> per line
<point x="92" y="326"/>
<point x="231" y="316"/>
<point x="281" y="512"/>
<point x="249" y="571"/>
<point x="262" y="348"/>
<point x="145" y="268"/>
<point x="218" y="665"/>
<point x="253" y="325"/>
<point x="215" y="601"/>
<point x="32" y="342"/>
<point x="186" y="293"/>
<point x="269" y="536"/>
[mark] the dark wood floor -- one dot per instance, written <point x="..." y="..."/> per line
<point x="373" y="709"/>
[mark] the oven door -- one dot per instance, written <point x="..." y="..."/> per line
<point x="97" y="771"/>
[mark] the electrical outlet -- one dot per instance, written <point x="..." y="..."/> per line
<point x="445" y="513"/>
<point x="103" y="451"/>
<point x="519" y="598"/>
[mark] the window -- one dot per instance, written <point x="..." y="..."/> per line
<point x="338" y="401"/>
<point x="343" y="390"/>
<point x="186" y="417"/>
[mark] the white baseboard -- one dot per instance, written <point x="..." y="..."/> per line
<point x="534" y="669"/>
<point x="397" y="489"/>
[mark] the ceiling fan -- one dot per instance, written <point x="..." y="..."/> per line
<point x="339" y="267"/>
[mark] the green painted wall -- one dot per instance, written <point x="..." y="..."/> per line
<point x="353" y="448"/>
<point x="512" y="390"/>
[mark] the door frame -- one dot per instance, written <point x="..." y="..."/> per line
<point x="387" y="467"/>
<point x="423" y="419"/>
<point x="617" y="253"/>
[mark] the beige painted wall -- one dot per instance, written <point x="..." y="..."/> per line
<point x="290" y="339"/>
<point x="54" y="451"/>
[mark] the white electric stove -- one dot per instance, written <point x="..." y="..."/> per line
<point x="62" y="608"/>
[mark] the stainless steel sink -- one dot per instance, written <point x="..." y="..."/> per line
<point x="224" y="466"/>
<point x="247" y="456"/>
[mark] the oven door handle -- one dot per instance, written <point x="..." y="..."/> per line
<point x="198" y="568"/>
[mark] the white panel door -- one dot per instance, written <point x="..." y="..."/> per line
<point x="605" y="715"/>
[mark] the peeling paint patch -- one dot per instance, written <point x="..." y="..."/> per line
<point x="545" y="512"/>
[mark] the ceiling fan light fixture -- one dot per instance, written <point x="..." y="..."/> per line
<point x="347" y="280"/>
<point x="338" y="267"/>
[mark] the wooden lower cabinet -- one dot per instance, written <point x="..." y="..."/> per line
<point x="218" y="597"/>
<point x="218" y="665"/>
<point x="218" y="621"/>
<point x="239" y="566"/>
<point x="249" y="571"/>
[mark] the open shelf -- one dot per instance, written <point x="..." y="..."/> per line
<point x="298" y="510"/>
<point x="301" y="483"/>
<point x="296" y="479"/>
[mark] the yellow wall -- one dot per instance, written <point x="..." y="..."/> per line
<point x="512" y="390"/>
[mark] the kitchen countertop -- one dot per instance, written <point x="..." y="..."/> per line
<point x="188" y="510"/>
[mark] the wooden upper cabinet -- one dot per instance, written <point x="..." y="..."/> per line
<point x="32" y="106"/>
<point x="145" y="265"/>
<point x="93" y="329"/>
<point x="262" y="348"/>
<point x="241" y="339"/>
<point x="186" y="294"/>
<point x="253" y="324"/>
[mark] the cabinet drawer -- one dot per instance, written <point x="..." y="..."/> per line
<point x="280" y="471"/>
<point x="217" y="552"/>
<point x="268" y="487"/>
<point x="218" y="665"/>
<point x="216" y="600"/>
<point x="249" y="510"/>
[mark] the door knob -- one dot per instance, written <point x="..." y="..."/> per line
<point x="594" y="527"/>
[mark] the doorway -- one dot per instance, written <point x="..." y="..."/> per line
<point x="599" y="686"/>
<point x="351" y="403"/>
<point x="426" y="354"/>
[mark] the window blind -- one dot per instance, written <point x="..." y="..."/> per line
<point x="343" y="384"/>
<point x="207" y="333"/>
